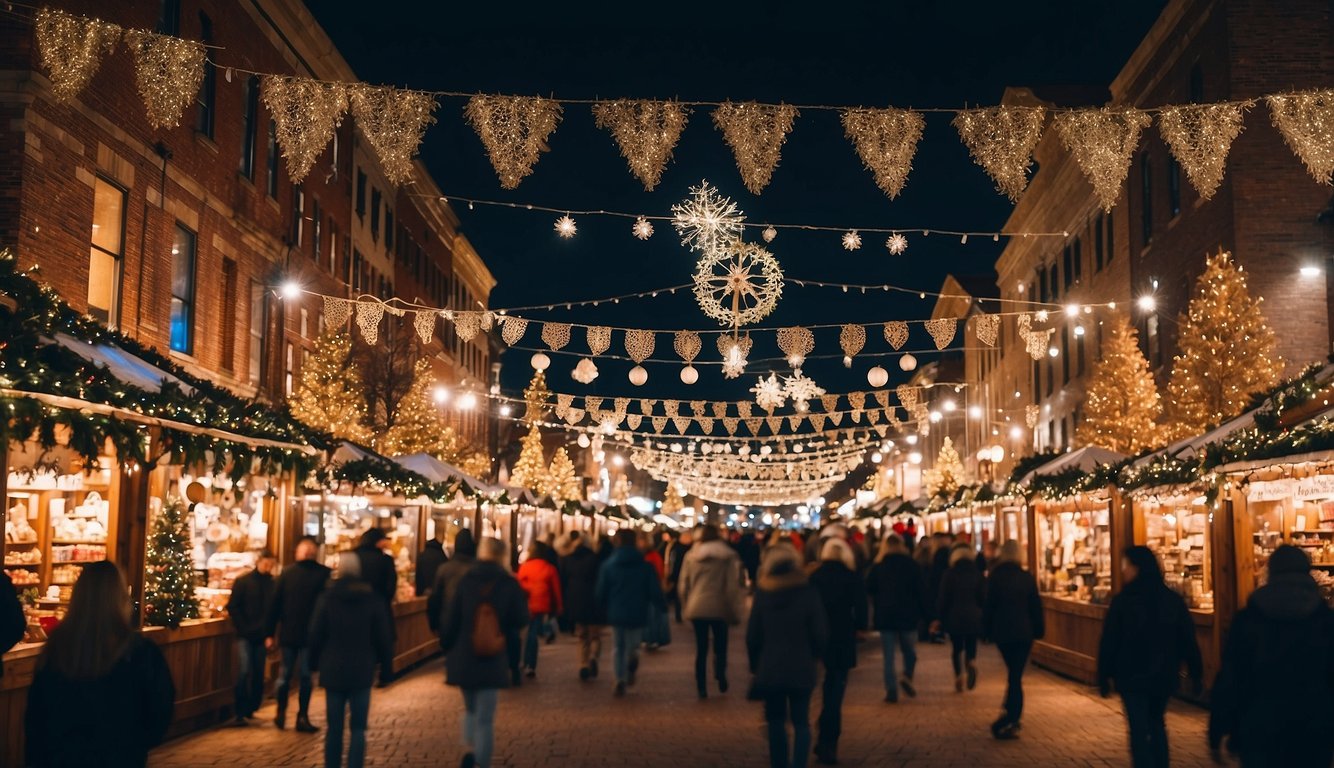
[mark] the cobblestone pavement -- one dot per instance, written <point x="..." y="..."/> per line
<point x="558" y="721"/>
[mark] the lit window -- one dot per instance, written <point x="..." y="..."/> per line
<point x="182" y="290"/>
<point x="104" y="255"/>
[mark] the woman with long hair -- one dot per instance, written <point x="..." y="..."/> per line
<point x="102" y="694"/>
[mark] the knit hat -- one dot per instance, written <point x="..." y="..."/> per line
<point x="1289" y="559"/>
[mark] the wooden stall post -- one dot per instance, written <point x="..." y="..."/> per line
<point x="514" y="538"/>
<point x="477" y="519"/>
<point x="1122" y="525"/>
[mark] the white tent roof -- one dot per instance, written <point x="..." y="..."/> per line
<point x="1085" y="459"/>
<point x="438" y="471"/>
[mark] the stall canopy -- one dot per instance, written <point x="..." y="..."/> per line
<point x="439" y="471"/>
<point x="1085" y="460"/>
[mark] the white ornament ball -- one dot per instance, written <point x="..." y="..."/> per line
<point x="689" y="374"/>
<point x="540" y="361"/>
<point x="638" y="375"/>
<point x="877" y="377"/>
<point x="908" y="362"/>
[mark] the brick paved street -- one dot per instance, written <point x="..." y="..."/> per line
<point x="557" y="721"/>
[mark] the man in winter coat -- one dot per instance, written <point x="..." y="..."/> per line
<point x="1012" y="618"/>
<point x="942" y="545"/>
<point x="248" y="609"/>
<point x="480" y="675"/>
<point x="786" y="636"/>
<point x="897" y="586"/>
<point x="349" y="634"/>
<point x="959" y="612"/>
<point x="1274" y="695"/>
<point x="428" y="562"/>
<point x="843" y="595"/>
<point x="1147" y="637"/>
<point x="447" y="579"/>
<point x="378" y="570"/>
<point x="712" y="593"/>
<point x="541" y="581"/>
<point x="627" y="588"/>
<point x="676" y="556"/>
<point x="579" y="570"/>
<point x="294" y="596"/>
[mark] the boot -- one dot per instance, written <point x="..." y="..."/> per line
<point x="972" y="676"/>
<point x="906" y="684"/>
<point x="722" y="683"/>
<point x="303" y="724"/>
<point x="280" y="719"/>
<point x="958" y="684"/>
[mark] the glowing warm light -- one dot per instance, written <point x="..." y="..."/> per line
<point x="936" y="416"/>
<point x="974" y="411"/>
<point x="618" y="460"/>
<point x="583" y="441"/>
<point x="1053" y="351"/>
<point x="911" y="439"/>
<point x="1079" y="330"/>
<point x="441" y="395"/>
<point x="915" y="457"/>
<point x="1310" y="271"/>
<point x="505" y="410"/>
<point x="948" y="406"/>
<point x="1071" y="310"/>
<point x="876" y="457"/>
<point x="1147" y="303"/>
<point x="291" y="289"/>
<point x="467" y="401"/>
<point x="1016" y="432"/>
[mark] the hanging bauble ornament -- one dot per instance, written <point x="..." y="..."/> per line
<point x="583" y="441"/>
<point x="540" y="361"/>
<point x="879" y="377"/>
<point x="638" y="375"/>
<point x="689" y="374"/>
<point x="908" y="362"/>
<point x="585" y="371"/>
<point x="769" y="234"/>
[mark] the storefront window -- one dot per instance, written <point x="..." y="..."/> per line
<point x="229" y="524"/>
<point x="1294" y="511"/>
<point x="339" y="522"/>
<point x="1177" y="530"/>
<point x="1075" y="553"/>
<point x="1014" y="525"/>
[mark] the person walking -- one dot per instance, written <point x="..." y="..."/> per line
<point x="294" y="595"/>
<point x="843" y="594"/>
<point x="713" y="595"/>
<point x="676" y="557"/>
<point x="1147" y="636"/>
<point x="627" y="589"/>
<point x="377" y="569"/>
<point x="488" y="604"/>
<point x="349" y="636"/>
<point x="579" y="570"/>
<point x="785" y="637"/>
<point x="13" y="623"/>
<point x="924" y="555"/>
<point x="959" y="608"/>
<point x="429" y="561"/>
<point x="541" y="582"/>
<point x="658" y="632"/>
<point x="248" y="608"/>
<point x="1012" y="619"/>
<point x="102" y="693"/>
<point x="1273" y="698"/>
<point x="941" y="550"/>
<point x="897" y="586"/>
<point x="447" y="579"/>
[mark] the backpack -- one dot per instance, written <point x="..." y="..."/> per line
<point x="487" y="639"/>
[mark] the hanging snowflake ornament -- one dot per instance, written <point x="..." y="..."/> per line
<point x="739" y="284"/>
<point x="851" y="240"/>
<point x="802" y="390"/>
<point x="770" y="393"/>
<point x="706" y="219"/>
<point x="642" y="228"/>
<point x="565" y="227"/>
<point x="734" y="350"/>
<point x="585" y="371"/>
<point x="897" y="244"/>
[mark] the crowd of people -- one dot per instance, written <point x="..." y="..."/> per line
<point x="807" y="601"/>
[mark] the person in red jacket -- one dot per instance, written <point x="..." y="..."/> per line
<point x="540" y="579"/>
<point x="658" y="632"/>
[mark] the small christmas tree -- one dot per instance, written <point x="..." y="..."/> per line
<point x="531" y="467"/>
<point x="330" y="397"/>
<point x="535" y="398"/>
<point x="671" y="499"/>
<point x="1226" y="351"/>
<point x="620" y="490"/>
<point x="945" y="477"/>
<point x="1122" y="405"/>
<point x="169" y="579"/>
<point x="419" y="426"/>
<point x="560" y="482"/>
<point x="475" y="463"/>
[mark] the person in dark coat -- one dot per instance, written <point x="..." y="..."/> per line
<point x="843" y="594"/>
<point x="1146" y="638"/>
<point x="102" y="694"/>
<point x="248" y="608"/>
<point x="13" y="624"/>
<point x="959" y="608"/>
<point x="785" y="637"/>
<point x="748" y="549"/>
<point x="481" y="677"/>
<point x="627" y="588"/>
<point x="579" y="571"/>
<point x="942" y="545"/>
<point x="377" y="569"/>
<point x="294" y="596"/>
<point x="897" y="587"/>
<point x="676" y="555"/>
<point x="447" y="579"/>
<point x="428" y="562"/>
<point x="1273" y="698"/>
<point x="1012" y="618"/>
<point x="349" y="635"/>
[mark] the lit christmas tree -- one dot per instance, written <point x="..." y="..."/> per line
<point x="620" y="490"/>
<point x="535" y="398"/>
<point x="475" y="463"/>
<point x="169" y="577"/>
<point x="419" y="426"/>
<point x="1226" y="352"/>
<point x="329" y="397"/>
<point x="560" y="481"/>
<point x="1122" y="405"/>
<point x="947" y="474"/>
<point x="531" y="468"/>
<point x="671" y="499"/>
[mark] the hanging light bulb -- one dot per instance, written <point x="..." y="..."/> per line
<point x="689" y="374"/>
<point x="638" y="375"/>
<point x="908" y="362"/>
<point x="877" y="377"/>
<point x="540" y="361"/>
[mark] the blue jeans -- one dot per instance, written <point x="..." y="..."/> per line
<point x="537" y="629"/>
<point x="295" y="661"/>
<point x="479" y="723"/>
<point x="626" y="641"/>
<point x="359" y="702"/>
<point x="778" y="707"/>
<point x="907" y="641"/>
<point x="250" y="658"/>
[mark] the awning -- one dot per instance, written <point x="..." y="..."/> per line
<point x="129" y="368"/>
<point x="1085" y="459"/>
<point x="439" y="471"/>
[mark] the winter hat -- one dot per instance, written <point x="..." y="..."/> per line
<point x="961" y="551"/>
<point x="1289" y="559"/>
<point x="838" y="549"/>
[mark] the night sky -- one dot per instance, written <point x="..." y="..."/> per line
<point x="874" y="54"/>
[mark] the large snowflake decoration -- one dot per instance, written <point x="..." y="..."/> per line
<point x="896" y="243"/>
<point x="734" y="350"/>
<point x="801" y="389"/>
<point x="851" y="240"/>
<point x="769" y="393"/>
<point x="738" y="284"/>
<point x="706" y="219"/>
<point x="642" y="229"/>
<point x="565" y="227"/>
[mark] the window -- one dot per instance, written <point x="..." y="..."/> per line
<point x="1174" y="186"/>
<point x="1051" y="375"/>
<point x="1065" y="355"/>
<point x="1078" y="259"/>
<point x="388" y="230"/>
<point x="375" y="214"/>
<point x="1079" y="353"/>
<point x="1111" y="250"/>
<point x="1051" y="435"/>
<point x="298" y="215"/>
<point x="305" y="323"/>
<point x="205" y="99"/>
<point x="249" y="113"/>
<point x="333" y="162"/>
<point x="1146" y="200"/>
<point x="169" y="18"/>
<point x="287" y="369"/>
<point x="1054" y="276"/>
<point x="259" y="311"/>
<point x="105" y="252"/>
<point x="182" y="290"/>
<point x="228" y="315"/>
<point x="361" y="193"/>
<point x="273" y="161"/>
<point x="1043" y="296"/>
<point x="333" y="246"/>
<point x="316" y="221"/>
<point x="1153" y="341"/>
<point x="1068" y="257"/>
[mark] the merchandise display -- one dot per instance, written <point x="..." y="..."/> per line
<point x="339" y="522"/>
<point x="1075" y="553"/>
<point x="1294" y="511"/>
<point x="1177" y="530"/>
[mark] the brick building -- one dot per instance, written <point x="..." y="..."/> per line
<point x="1268" y="212"/>
<point x="178" y="237"/>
